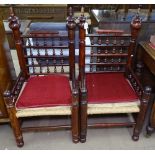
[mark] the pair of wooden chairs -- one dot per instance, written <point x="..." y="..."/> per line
<point x="47" y="84"/>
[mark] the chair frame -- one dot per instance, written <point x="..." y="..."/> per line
<point x="11" y="96"/>
<point x="142" y="92"/>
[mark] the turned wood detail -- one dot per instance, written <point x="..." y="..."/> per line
<point x="15" y="26"/>
<point x="111" y="50"/>
<point x="135" y="26"/>
<point x="36" y="59"/>
<point x="71" y="34"/>
<point x="145" y="98"/>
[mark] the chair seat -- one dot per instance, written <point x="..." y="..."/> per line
<point x="109" y="88"/>
<point x="45" y="91"/>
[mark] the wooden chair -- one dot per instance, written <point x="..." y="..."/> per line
<point x="110" y="86"/>
<point x="43" y="88"/>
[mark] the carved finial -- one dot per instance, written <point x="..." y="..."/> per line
<point x="82" y="19"/>
<point x="13" y="20"/>
<point x="136" y="22"/>
<point x="70" y="19"/>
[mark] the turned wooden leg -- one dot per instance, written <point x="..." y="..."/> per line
<point x="15" y="124"/>
<point x="83" y="117"/>
<point x="16" y="128"/>
<point x="75" y="118"/>
<point x="149" y="131"/>
<point x="75" y="124"/>
<point x="83" y="122"/>
<point x="141" y="116"/>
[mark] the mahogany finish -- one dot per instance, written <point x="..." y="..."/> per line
<point x="50" y="64"/>
<point x="113" y="51"/>
<point x="5" y="76"/>
<point x="146" y="66"/>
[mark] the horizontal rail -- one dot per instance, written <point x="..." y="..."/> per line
<point x="41" y="35"/>
<point x="46" y="47"/>
<point x="103" y="125"/>
<point x="121" y="63"/>
<point x="108" y="35"/>
<point x="100" y="72"/>
<point x="106" y="45"/>
<point x="47" y="56"/>
<point x="46" y="128"/>
<point x="46" y="65"/>
<point x="107" y="55"/>
<point x="51" y="73"/>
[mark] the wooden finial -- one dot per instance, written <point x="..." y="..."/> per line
<point x="70" y="19"/>
<point x="13" y="20"/>
<point x="136" y="22"/>
<point x="82" y="19"/>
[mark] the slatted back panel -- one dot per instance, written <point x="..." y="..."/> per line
<point x="109" y="51"/>
<point x="46" y="53"/>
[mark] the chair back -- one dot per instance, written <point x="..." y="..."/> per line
<point x="107" y="50"/>
<point x="42" y="52"/>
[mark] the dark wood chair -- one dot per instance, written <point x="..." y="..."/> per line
<point x="108" y="84"/>
<point x="46" y="87"/>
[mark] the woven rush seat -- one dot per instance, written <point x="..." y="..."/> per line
<point x="44" y="95"/>
<point x="110" y="93"/>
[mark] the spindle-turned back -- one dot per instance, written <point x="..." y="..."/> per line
<point x="45" y="52"/>
<point x="110" y="50"/>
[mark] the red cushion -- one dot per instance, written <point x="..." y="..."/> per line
<point x="109" y="87"/>
<point x="45" y="91"/>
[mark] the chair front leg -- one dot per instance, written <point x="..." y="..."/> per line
<point x="83" y="116"/>
<point x="15" y="124"/>
<point x="75" y="117"/>
<point x="141" y="116"/>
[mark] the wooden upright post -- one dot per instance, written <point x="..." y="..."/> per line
<point x="15" y="26"/>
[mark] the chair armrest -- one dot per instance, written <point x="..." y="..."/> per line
<point x="14" y="93"/>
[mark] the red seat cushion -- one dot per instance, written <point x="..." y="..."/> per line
<point x="109" y="88"/>
<point x="45" y="91"/>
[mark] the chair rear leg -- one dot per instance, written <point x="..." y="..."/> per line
<point x="75" y="124"/>
<point x="15" y="124"/>
<point x="83" y="123"/>
<point x="141" y="116"/>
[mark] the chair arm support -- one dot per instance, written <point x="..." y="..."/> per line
<point x="146" y="96"/>
<point x="134" y="81"/>
<point x="10" y="96"/>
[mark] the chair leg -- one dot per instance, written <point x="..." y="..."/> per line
<point x="16" y="127"/>
<point x="139" y="123"/>
<point x="75" y="124"/>
<point x="15" y="124"/>
<point x="149" y="130"/>
<point x="141" y="116"/>
<point x="83" y="123"/>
